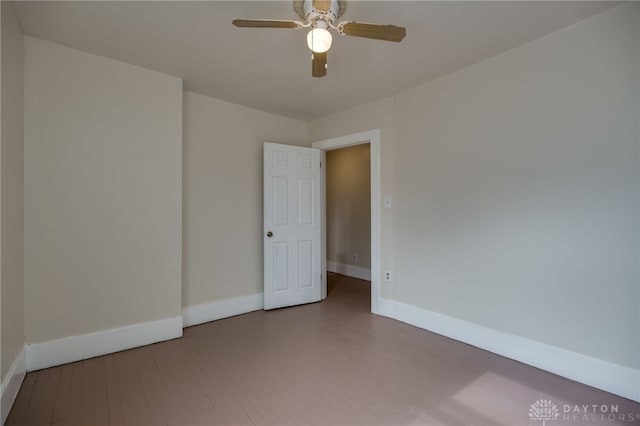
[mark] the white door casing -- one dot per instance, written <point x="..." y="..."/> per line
<point x="379" y="305"/>
<point x="292" y="228"/>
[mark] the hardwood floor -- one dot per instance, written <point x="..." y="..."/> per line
<point x="329" y="363"/>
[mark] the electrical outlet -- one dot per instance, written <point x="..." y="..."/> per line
<point x="355" y="258"/>
<point x="387" y="276"/>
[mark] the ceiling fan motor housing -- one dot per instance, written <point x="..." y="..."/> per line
<point x="311" y="13"/>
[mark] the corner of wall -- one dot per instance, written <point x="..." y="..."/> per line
<point x="12" y="336"/>
<point x="219" y="309"/>
<point x="12" y="383"/>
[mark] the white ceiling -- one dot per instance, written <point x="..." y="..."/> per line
<point x="270" y="69"/>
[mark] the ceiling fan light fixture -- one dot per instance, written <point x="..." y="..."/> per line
<point x="319" y="40"/>
<point x="319" y="16"/>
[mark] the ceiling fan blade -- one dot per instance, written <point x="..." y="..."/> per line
<point x="319" y="64"/>
<point x="375" y="31"/>
<point x="322" y="4"/>
<point x="264" y="23"/>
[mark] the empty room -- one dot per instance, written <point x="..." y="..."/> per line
<point x="320" y="212"/>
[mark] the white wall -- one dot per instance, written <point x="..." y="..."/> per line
<point x="103" y="182"/>
<point x="12" y="192"/>
<point x="223" y="195"/>
<point x="349" y="206"/>
<point x="516" y="196"/>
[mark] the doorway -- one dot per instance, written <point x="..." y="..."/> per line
<point x="348" y="215"/>
<point x="372" y="138"/>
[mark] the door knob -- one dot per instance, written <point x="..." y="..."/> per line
<point x="269" y="234"/>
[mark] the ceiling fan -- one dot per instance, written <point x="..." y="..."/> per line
<point x="320" y="16"/>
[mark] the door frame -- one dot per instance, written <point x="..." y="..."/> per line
<point x="372" y="137"/>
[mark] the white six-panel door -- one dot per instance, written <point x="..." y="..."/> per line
<point x="292" y="274"/>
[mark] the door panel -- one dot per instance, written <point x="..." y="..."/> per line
<point x="292" y="256"/>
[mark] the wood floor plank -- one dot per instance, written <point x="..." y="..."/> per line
<point x="114" y="402"/>
<point x="42" y="404"/>
<point x="61" y="409"/>
<point x="229" y="404"/>
<point x="329" y="363"/>
<point x="133" y="403"/>
<point x="74" y="414"/>
<point x="19" y="410"/>
<point x="101" y="402"/>
<point x="188" y="404"/>
<point x="155" y="394"/>
<point x="87" y="408"/>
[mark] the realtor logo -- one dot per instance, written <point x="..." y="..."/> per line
<point x="544" y="410"/>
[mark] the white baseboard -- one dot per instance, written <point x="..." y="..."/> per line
<point x="11" y="384"/>
<point x="349" y="270"/>
<point x="76" y="348"/>
<point x="385" y="308"/>
<point x="617" y="379"/>
<point x="198" y="314"/>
